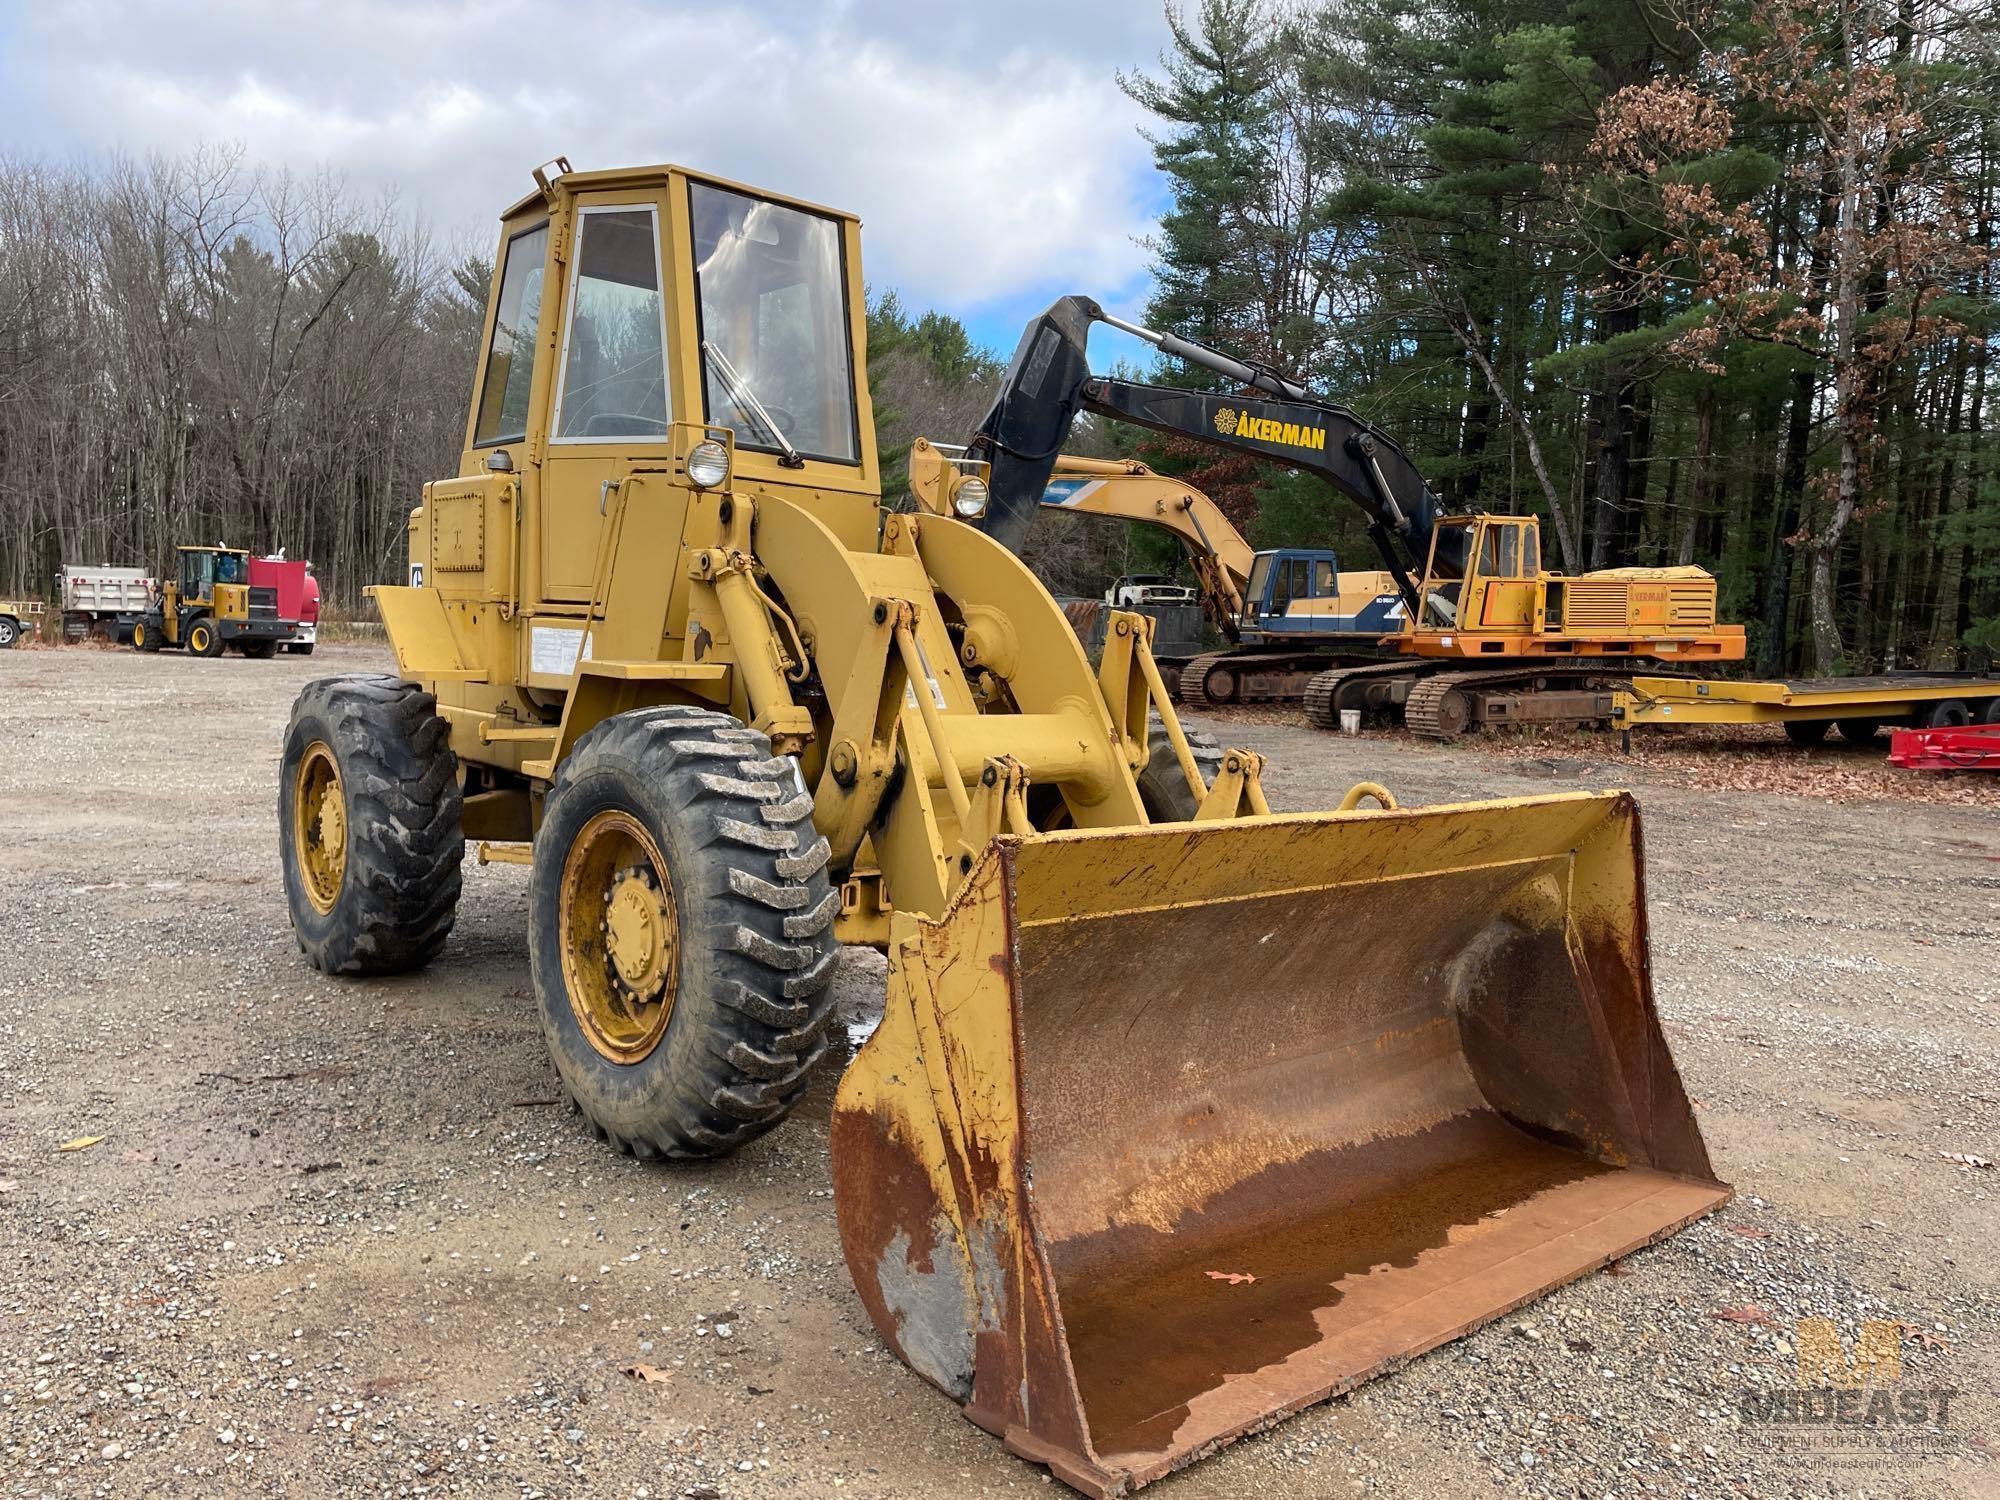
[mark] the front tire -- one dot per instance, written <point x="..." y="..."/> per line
<point x="680" y="926"/>
<point x="1163" y="787"/>
<point x="369" y="810"/>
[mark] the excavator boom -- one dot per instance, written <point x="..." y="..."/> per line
<point x="1048" y="384"/>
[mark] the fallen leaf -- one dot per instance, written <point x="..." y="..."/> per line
<point x="1234" y="1278"/>
<point x="81" y="1143"/>
<point x="1930" y="1338"/>
<point x="1964" y="1159"/>
<point x="1617" y="1268"/>
<point x="1748" y="1232"/>
<point x="1744" y="1314"/>
<point x="649" y="1374"/>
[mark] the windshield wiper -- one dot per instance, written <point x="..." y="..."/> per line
<point x="746" y="400"/>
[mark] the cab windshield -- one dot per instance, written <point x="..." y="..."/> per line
<point x="773" y="297"/>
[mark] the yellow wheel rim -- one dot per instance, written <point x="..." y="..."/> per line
<point x="198" y="638"/>
<point x="139" y="636"/>
<point x="319" y="825"/>
<point x="620" y="936"/>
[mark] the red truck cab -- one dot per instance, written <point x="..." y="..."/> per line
<point x="298" y="597"/>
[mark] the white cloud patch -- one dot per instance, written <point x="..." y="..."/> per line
<point x="989" y="151"/>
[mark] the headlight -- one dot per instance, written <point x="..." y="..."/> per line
<point x="708" y="464"/>
<point x="969" y="499"/>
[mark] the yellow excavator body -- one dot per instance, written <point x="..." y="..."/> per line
<point x="1182" y="1113"/>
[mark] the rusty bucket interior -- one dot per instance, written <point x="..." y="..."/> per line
<point x="1213" y="1122"/>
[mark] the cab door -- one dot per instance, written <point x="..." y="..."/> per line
<point x="612" y="404"/>
<point x="1506" y="559"/>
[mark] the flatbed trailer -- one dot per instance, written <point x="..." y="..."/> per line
<point x="1858" y="707"/>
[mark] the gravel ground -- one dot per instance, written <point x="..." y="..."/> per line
<point x="336" y="1238"/>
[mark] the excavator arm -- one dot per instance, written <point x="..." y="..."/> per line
<point x="1048" y="384"/>
<point x="1127" y="490"/>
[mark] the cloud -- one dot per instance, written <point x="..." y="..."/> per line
<point x="988" y="150"/>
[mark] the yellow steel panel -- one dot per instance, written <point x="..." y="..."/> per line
<point x="421" y="634"/>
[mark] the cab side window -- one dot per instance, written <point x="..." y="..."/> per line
<point x="510" y="357"/>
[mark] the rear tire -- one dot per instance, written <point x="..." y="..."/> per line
<point x="1952" y="713"/>
<point x="260" y="650"/>
<point x="1806" y="733"/>
<point x="1990" y="713"/>
<point x="1858" y="731"/>
<point x="679" y="825"/>
<point x="369" y="810"/>
<point x="1162" y="788"/>
<point x="203" y="639"/>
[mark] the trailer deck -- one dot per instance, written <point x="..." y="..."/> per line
<point x="1927" y="698"/>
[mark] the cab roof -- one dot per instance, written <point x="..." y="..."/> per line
<point x="617" y="177"/>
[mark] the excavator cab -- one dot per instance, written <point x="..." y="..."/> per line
<point x="1290" y="576"/>
<point x="1497" y="590"/>
<point x="1297" y="593"/>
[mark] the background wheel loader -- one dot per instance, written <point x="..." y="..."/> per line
<point x="209" y="605"/>
<point x="1392" y="1071"/>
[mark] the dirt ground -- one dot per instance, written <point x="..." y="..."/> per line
<point x="336" y="1237"/>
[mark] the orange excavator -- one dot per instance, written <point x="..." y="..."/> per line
<point x="1482" y="635"/>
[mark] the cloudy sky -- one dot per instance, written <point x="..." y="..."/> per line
<point x="984" y="143"/>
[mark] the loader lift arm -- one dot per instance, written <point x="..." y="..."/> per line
<point x="1048" y="383"/>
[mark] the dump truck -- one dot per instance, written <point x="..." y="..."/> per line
<point x="671" y="651"/>
<point x="100" y="601"/>
<point x="1487" y="636"/>
<point x="211" y="605"/>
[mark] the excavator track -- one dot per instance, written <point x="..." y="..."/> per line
<point x="1440" y="707"/>
<point x="1220" y="678"/>
<point x="1323" y="692"/>
<point x="1194" y="681"/>
<point x="1441" y="703"/>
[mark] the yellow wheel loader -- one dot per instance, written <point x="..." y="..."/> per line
<point x="209" y="605"/>
<point x="1182" y="1113"/>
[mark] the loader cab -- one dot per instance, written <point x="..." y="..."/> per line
<point x="1497" y="592"/>
<point x="200" y="569"/>
<point x="633" y="315"/>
